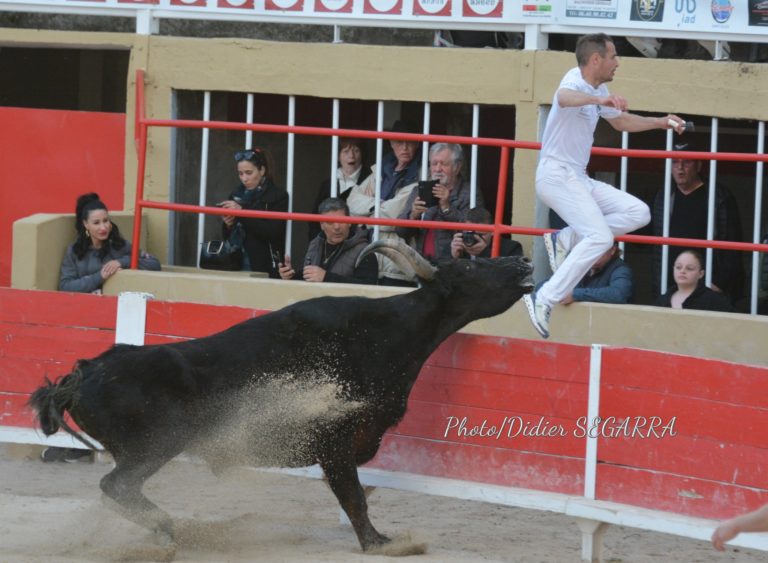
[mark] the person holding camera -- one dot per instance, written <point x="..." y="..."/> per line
<point x="443" y="198"/>
<point x="263" y="239"/>
<point x="474" y="244"/>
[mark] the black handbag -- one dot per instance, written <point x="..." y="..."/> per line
<point x="221" y="255"/>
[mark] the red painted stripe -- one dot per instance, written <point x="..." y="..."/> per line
<point x="725" y="422"/>
<point x="674" y="493"/>
<point x="24" y="375"/>
<point x="675" y="374"/>
<point x="490" y="428"/>
<point x="496" y="466"/>
<point x="193" y="320"/>
<point x="14" y="412"/>
<point x="694" y="457"/>
<point x="53" y="308"/>
<point x="527" y="358"/>
<point x="501" y="391"/>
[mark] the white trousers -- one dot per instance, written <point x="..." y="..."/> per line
<point x="594" y="211"/>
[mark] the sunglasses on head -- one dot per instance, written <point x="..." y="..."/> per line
<point x="246" y="155"/>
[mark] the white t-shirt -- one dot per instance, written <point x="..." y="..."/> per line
<point x="570" y="131"/>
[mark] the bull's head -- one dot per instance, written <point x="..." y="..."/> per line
<point x="491" y="284"/>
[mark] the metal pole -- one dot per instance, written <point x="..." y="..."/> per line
<point x="203" y="173"/>
<point x="756" y="231"/>
<point x="289" y="171"/>
<point x="711" y="203"/>
<point x="249" y="119"/>
<point x="377" y="177"/>
<point x="667" y="213"/>
<point x="425" y="144"/>
<point x="334" y="151"/>
<point x="473" y="169"/>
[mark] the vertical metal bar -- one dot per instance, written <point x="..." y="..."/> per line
<point x="473" y="169"/>
<point x="624" y="163"/>
<point x="500" y="197"/>
<point x="425" y="144"/>
<point x="667" y="213"/>
<point x="756" y="230"/>
<point x="203" y="173"/>
<point x="377" y="177"/>
<point x="141" y="153"/>
<point x="337" y="34"/>
<point x="334" y="151"/>
<point x="249" y="119"/>
<point x="593" y="412"/>
<point x="289" y="172"/>
<point x="711" y="202"/>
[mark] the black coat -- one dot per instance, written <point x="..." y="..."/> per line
<point x="264" y="238"/>
<point x="703" y="299"/>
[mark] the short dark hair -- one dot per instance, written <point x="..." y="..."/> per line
<point x="592" y="43"/>
<point x="479" y="215"/>
<point x="333" y="204"/>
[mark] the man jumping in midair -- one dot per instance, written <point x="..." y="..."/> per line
<point x="594" y="211"/>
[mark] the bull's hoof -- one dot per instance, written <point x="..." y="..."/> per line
<point x="397" y="547"/>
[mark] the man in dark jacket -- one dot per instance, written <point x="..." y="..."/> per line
<point x="688" y="219"/>
<point x="332" y="254"/>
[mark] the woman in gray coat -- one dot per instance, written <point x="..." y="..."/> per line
<point x="99" y="251"/>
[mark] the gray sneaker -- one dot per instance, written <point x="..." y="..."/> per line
<point x="539" y="314"/>
<point x="555" y="251"/>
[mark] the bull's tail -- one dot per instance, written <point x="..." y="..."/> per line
<point x="52" y="399"/>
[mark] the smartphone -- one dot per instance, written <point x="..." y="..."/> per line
<point x="425" y="192"/>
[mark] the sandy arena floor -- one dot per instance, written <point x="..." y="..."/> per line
<point x="53" y="512"/>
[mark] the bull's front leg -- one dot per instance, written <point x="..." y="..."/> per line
<point x="345" y="484"/>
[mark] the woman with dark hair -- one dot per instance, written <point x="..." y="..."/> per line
<point x="262" y="239"/>
<point x="99" y="251"/>
<point x="348" y="175"/>
<point x="690" y="291"/>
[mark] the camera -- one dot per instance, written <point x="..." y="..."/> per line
<point x="425" y="192"/>
<point x="469" y="238"/>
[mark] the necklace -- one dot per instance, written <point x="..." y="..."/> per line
<point x="328" y="257"/>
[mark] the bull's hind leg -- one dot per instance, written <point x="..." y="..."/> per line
<point x="123" y="485"/>
<point x="345" y="484"/>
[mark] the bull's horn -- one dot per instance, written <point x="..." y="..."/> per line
<point x="406" y="258"/>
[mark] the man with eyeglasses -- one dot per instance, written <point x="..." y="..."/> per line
<point x="399" y="175"/>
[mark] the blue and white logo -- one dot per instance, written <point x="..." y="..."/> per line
<point x="721" y="10"/>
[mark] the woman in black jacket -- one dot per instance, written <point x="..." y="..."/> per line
<point x="690" y="291"/>
<point x="262" y="239"/>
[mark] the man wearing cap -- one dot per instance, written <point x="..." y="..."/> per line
<point x="399" y="175"/>
<point x="688" y="205"/>
<point x="594" y="211"/>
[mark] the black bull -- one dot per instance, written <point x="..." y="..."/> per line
<point x="319" y="381"/>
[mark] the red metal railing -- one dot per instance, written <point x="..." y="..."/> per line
<point x="142" y="124"/>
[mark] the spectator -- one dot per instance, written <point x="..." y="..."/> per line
<point x="690" y="291"/>
<point x="99" y="251"/>
<point x="481" y="247"/>
<point x="262" y="239"/>
<point x="610" y="280"/>
<point x="756" y="521"/>
<point x="349" y="174"/>
<point x="332" y="254"/>
<point x="399" y="174"/>
<point x="451" y="203"/>
<point x="688" y="219"/>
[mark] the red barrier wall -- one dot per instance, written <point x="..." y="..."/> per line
<point x="715" y="466"/>
<point x="48" y="158"/>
